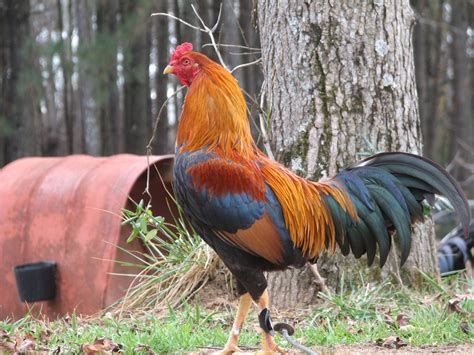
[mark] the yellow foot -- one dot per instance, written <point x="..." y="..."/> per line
<point x="229" y="349"/>
<point x="269" y="346"/>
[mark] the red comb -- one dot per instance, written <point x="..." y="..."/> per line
<point x="181" y="49"/>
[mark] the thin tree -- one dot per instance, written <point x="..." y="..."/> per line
<point x="19" y="131"/>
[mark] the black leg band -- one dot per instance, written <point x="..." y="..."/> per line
<point x="265" y="321"/>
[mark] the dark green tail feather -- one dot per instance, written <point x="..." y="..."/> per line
<point x="392" y="187"/>
<point x="400" y="218"/>
<point x="430" y="173"/>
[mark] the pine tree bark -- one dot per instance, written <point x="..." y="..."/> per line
<point x="18" y="128"/>
<point x="164" y="140"/>
<point x="137" y="103"/>
<point x="66" y="71"/>
<point x="431" y="68"/>
<point x="92" y="140"/>
<point x="340" y="81"/>
<point x="461" y="120"/>
<point x="110" y="118"/>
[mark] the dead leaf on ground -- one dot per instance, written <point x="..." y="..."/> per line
<point x="142" y="348"/>
<point x="4" y="334"/>
<point x="465" y="327"/>
<point x="386" y="315"/>
<point x="392" y="342"/>
<point x="402" y="320"/>
<point x="351" y="330"/>
<point x="454" y="304"/>
<point x="428" y="301"/>
<point x="7" y="345"/>
<point x="45" y="335"/>
<point x="101" y="345"/>
<point x="24" y="346"/>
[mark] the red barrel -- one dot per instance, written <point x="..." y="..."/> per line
<point x="67" y="210"/>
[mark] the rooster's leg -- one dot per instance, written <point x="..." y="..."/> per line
<point x="268" y="342"/>
<point x="245" y="302"/>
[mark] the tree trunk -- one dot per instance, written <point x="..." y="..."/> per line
<point x="137" y="106"/>
<point x="165" y="135"/>
<point x="108" y="104"/>
<point x="431" y="69"/>
<point x="339" y="84"/>
<point x="65" y="54"/>
<point x="4" y="76"/>
<point x="90" y="122"/>
<point x="461" y="121"/>
<point x="17" y="124"/>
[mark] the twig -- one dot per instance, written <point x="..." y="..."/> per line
<point x="149" y="147"/>
<point x="261" y="116"/>
<point x="263" y="129"/>
<point x="452" y="163"/>
<point x="467" y="182"/>
<point x="242" y="53"/>
<point x="233" y="46"/>
<point x="246" y="65"/>
<point x="210" y="32"/>
<point x="319" y="280"/>
<point x="178" y="19"/>
<point x="204" y="28"/>
<point x="467" y="147"/>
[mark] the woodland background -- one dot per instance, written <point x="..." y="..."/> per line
<point x="85" y="76"/>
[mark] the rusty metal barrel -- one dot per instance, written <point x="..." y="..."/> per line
<point x="67" y="210"/>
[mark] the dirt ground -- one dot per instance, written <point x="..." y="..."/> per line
<point x="368" y="349"/>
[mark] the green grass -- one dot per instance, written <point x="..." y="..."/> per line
<point x="354" y="316"/>
<point x="182" y="331"/>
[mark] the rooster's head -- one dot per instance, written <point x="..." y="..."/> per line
<point x="183" y="64"/>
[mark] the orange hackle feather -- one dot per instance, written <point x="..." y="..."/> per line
<point x="215" y="114"/>
<point x="215" y="118"/>
<point x="307" y="217"/>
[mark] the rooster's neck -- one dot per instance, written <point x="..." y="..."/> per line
<point x="214" y="116"/>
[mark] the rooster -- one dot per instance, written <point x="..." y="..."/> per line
<point x="258" y="216"/>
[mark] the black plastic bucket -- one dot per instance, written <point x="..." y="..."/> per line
<point x="36" y="281"/>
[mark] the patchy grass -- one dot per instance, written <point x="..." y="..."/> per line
<point x="385" y="314"/>
<point x="186" y="331"/>
<point x="176" y="265"/>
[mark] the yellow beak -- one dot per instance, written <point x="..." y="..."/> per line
<point x="168" y="70"/>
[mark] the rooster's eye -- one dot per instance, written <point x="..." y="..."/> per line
<point x="186" y="61"/>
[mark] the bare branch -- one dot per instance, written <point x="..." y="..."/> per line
<point x="452" y="163"/>
<point x="214" y="28"/>
<point x="150" y="142"/>
<point x="243" y="53"/>
<point x="262" y="122"/>
<point x="319" y="280"/>
<point x="258" y="108"/>
<point x="263" y="128"/>
<point x="233" y="46"/>
<point x="468" y="148"/>
<point x="467" y="182"/>
<point x="246" y="65"/>
<point x="210" y="33"/>
<point x="157" y="120"/>
<point x="207" y="29"/>
<point x="178" y="19"/>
